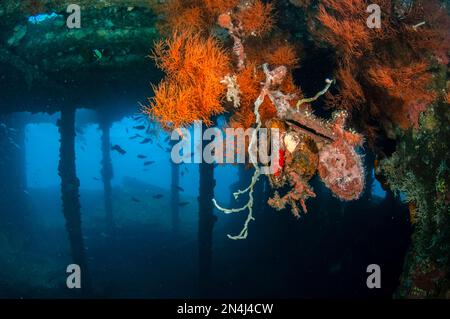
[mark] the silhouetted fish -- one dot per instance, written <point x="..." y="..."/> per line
<point x="134" y="199"/>
<point x="141" y="156"/>
<point x="120" y="150"/>
<point x="181" y="189"/>
<point x="182" y="204"/>
<point x="137" y="117"/>
<point x="158" y="196"/>
<point x="149" y="163"/>
<point x="95" y="178"/>
<point x="145" y="141"/>
<point x="160" y="146"/>
<point x="151" y="131"/>
<point x="139" y="127"/>
<point x="135" y="136"/>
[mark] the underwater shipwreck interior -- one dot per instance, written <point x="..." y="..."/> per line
<point x="96" y="96"/>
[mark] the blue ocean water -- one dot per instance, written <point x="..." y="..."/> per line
<point x="324" y="253"/>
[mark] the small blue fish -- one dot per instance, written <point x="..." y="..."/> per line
<point x="134" y="199"/>
<point x="118" y="149"/>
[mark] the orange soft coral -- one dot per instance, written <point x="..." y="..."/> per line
<point x="188" y="19"/>
<point x="282" y="55"/>
<point x="193" y="72"/>
<point x="217" y="7"/>
<point x="189" y="15"/>
<point x="343" y="26"/>
<point x="249" y="80"/>
<point x="427" y="28"/>
<point x="405" y="89"/>
<point x="256" y="18"/>
<point x="192" y="89"/>
<point x="372" y="81"/>
<point x="408" y="83"/>
<point x="351" y="94"/>
<point x="224" y="21"/>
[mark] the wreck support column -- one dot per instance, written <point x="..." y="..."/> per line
<point x="175" y="197"/>
<point x="205" y="226"/>
<point x="70" y="185"/>
<point x="107" y="174"/>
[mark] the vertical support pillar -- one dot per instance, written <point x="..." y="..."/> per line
<point x="107" y="174"/>
<point x="175" y="197"/>
<point x="205" y="226"/>
<point x="70" y="185"/>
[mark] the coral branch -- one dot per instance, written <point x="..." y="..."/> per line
<point x="319" y="94"/>
<point x="233" y="90"/>
<point x="225" y="21"/>
<point x="272" y="78"/>
<point x="299" y="193"/>
<point x="244" y="232"/>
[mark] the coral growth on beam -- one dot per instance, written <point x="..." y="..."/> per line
<point x="383" y="74"/>
<point x="390" y="83"/>
<point x="226" y="56"/>
<point x="192" y="90"/>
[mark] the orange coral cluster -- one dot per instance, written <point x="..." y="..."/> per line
<point x="255" y="17"/>
<point x="384" y="73"/>
<point x="405" y="88"/>
<point x="194" y="67"/>
<point x="251" y="76"/>
<point x="193" y="15"/>
<point x="249" y="80"/>
<point x="343" y="26"/>
<point x="217" y="7"/>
